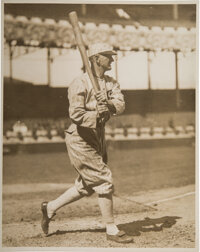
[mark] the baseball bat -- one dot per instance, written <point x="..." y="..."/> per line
<point x="81" y="46"/>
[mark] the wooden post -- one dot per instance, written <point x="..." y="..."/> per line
<point x="175" y="11"/>
<point x="177" y="82"/>
<point x="48" y="66"/>
<point x="116" y="67"/>
<point x="149" y="68"/>
<point x="10" y="60"/>
<point x="83" y="9"/>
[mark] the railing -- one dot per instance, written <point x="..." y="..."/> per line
<point x="57" y="135"/>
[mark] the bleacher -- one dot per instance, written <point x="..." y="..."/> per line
<point x="20" y="30"/>
<point x="53" y="131"/>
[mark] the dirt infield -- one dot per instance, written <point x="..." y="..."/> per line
<point x="154" y="200"/>
<point x="170" y="223"/>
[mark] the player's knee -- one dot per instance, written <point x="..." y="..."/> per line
<point x="104" y="189"/>
<point x="83" y="190"/>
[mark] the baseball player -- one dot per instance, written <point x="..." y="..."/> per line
<point x="85" y="141"/>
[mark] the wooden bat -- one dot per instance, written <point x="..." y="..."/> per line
<point x="81" y="46"/>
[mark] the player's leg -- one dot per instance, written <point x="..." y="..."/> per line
<point x="106" y="207"/>
<point x="112" y="231"/>
<point x="49" y="208"/>
<point x="67" y="197"/>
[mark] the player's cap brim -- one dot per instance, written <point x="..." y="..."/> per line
<point x="109" y="52"/>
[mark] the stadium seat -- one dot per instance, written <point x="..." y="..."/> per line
<point x="117" y="27"/>
<point x="9" y="18"/>
<point x="190" y="130"/>
<point x="119" y="134"/>
<point x="22" y="19"/>
<point x="158" y="132"/>
<point x="156" y="29"/>
<point x="182" y="30"/>
<point x="5" y="140"/>
<point x="103" y="26"/>
<point x="89" y="29"/>
<point x="145" y="132"/>
<point x="132" y="133"/>
<point x="12" y="137"/>
<point x="64" y="23"/>
<point x="170" y="37"/>
<point x="125" y="48"/>
<point x="109" y="133"/>
<point x="42" y="135"/>
<point x="143" y="29"/>
<point x="192" y="34"/>
<point x="180" y="131"/>
<point x="28" y="137"/>
<point x="169" y="132"/>
<point x="36" y="20"/>
<point x="169" y="30"/>
<point x="130" y="28"/>
<point x="49" y="21"/>
<point x="34" y="42"/>
<point x="90" y="26"/>
<point x="55" y="137"/>
<point x="193" y="30"/>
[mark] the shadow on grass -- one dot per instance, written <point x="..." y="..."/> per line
<point x="132" y="228"/>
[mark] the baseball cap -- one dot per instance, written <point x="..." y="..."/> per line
<point x="100" y="48"/>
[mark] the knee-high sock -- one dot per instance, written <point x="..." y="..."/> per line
<point x="106" y="207"/>
<point x="67" y="197"/>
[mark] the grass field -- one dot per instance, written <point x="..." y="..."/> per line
<point x="133" y="170"/>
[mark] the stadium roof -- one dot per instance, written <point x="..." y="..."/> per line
<point x="143" y="14"/>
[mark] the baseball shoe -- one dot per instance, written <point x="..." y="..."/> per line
<point x="45" y="219"/>
<point x="120" y="237"/>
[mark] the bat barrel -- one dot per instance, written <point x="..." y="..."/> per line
<point x="73" y="18"/>
<point x="79" y="40"/>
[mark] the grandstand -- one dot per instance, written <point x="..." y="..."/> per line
<point x="155" y="65"/>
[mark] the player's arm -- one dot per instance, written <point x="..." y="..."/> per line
<point x="115" y="103"/>
<point x="102" y="99"/>
<point x="77" y="111"/>
<point x="116" y="98"/>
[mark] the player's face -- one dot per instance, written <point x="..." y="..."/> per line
<point x="105" y="61"/>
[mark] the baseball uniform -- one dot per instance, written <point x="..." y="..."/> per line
<point x="85" y="137"/>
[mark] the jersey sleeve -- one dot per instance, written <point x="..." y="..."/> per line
<point x="77" y="110"/>
<point x="117" y="97"/>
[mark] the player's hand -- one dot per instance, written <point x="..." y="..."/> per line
<point x="103" y="112"/>
<point x="101" y="96"/>
<point x="102" y="109"/>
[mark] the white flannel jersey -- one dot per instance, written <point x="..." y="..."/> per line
<point x="85" y="138"/>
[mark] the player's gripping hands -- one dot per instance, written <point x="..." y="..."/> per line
<point x="102" y="99"/>
<point x="102" y="106"/>
<point x="101" y="96"/>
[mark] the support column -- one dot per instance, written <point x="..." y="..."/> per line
<point x="83" y="9"/>
<point x="116" y="67"/>
<point x="10" y="60"/>
<point x="178" y="100"/>
<point x="148" y="103"/>
<point x="149" y="70"/>
<point x="48" y="66"/>
<point x="175" y="11"/>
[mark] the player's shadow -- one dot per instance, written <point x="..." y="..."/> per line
<point x="61" y="232"/>
<point x="158" y="224"/>
<point x="133" y="228"/>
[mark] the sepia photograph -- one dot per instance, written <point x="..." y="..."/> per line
<point x="99" y="125"/>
